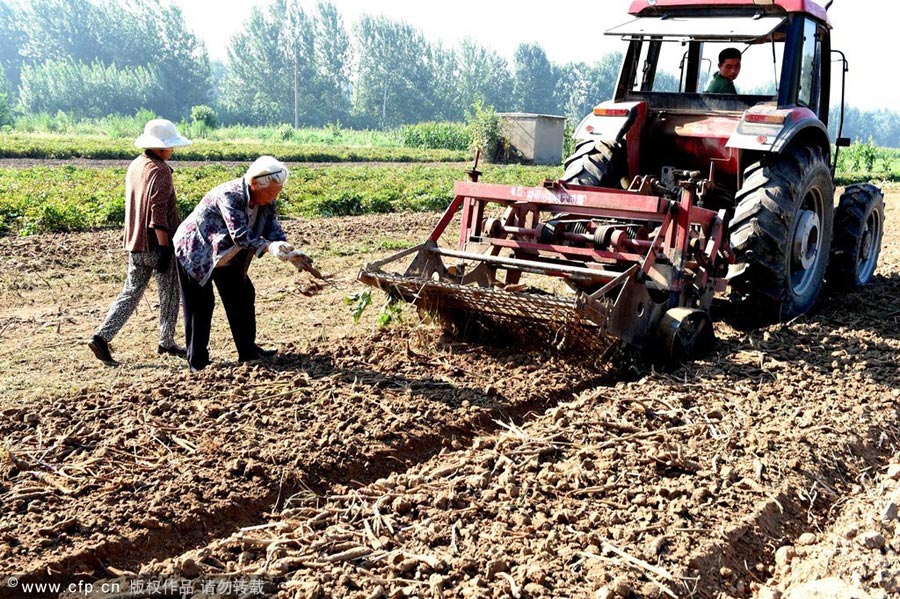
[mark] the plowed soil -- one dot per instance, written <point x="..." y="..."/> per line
<point x="365" y="462"/>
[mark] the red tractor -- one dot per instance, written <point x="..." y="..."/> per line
<point x="672" y="196"/>
<point x="765" y="149"/>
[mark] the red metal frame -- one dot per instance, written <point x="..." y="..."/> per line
<point x="630" y="256"/>
<point x="673" y="237"/>
<point x="795" y="6"/>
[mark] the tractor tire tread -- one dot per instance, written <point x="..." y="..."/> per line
<point x="763" y="222"/>
<point x="594" y="163"/>
<point x="856" y="204"/>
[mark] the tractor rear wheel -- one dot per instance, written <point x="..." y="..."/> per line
<point x="595" y="163"/>
<point x="858" y="231"/>
<point x="781" y="231"/>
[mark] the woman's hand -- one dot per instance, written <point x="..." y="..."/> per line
<point x="280" y="249"/>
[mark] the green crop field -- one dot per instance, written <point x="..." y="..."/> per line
<point x="67" y="198"/>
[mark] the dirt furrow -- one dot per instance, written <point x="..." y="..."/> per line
<point x="358" y="452"/>
<point x="681" y="484"/>
<point x="645" y="489"/>
<point x="198" y="454"/>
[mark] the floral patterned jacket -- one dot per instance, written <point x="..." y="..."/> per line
<point x="219" y="224"/>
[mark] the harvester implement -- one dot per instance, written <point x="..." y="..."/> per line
<point x="578" y="267"/>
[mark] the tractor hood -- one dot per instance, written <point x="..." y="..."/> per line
<point x="700" y="28"/>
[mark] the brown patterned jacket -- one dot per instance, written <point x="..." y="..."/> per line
<point x="149" y="202"/>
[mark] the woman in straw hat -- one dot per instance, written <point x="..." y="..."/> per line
<point x="216" y="243"/>
<point x="151" y="217"/>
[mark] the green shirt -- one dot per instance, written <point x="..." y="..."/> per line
<point x="720" y="85"/>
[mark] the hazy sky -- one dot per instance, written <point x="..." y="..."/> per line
<point x="571" y="30"/>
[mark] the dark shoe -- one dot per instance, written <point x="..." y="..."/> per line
<point x="266" y="354"/>
<point x="174" y="350"/>
<point x="100" y="348"/>
<point x="195" y="368"/>
<point x="259" y="354"/>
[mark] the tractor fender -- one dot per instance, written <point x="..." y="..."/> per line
<point x="766" y="128"/>
<point x="609" y="121"/>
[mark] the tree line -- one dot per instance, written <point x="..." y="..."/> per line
<point x="290" y="63"/>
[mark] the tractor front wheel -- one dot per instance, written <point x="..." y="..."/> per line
<point x="858" y="231"/>
<point x="781" y="231"/>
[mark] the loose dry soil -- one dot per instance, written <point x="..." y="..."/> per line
<point x="372" y="463"/>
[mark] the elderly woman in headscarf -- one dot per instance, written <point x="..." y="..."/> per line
<point x="216" y="243"/>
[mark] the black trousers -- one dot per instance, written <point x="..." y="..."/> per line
<point x="239" y="300"/>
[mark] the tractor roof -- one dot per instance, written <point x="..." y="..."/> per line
<point x="808" y="7"/>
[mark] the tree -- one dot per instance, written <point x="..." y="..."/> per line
<point x="6" y="117"/>
<point x="287" y="66"/>
<point x="6" y="86"/>
<point x="535" y="81"/>
<point x="183" y="65"/>
<point x="63" y="30"/>
<point x="449" y="102"/>
<point x="580" y="86"/>
<point x="88" y="90"/>
<point x="139" y="34"/>
<point x="483" y="74"/>
<point x="881" y="126"/>
<point x="396" y="73"/>
<point x="332" y="64"/>
<point x="297" y="43"/>
<point x="12" y="37"/>
<point x="255" y="89"/>
<point x="885" y="128"/>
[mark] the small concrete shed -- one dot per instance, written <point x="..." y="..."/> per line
<point x="534" y="138"/>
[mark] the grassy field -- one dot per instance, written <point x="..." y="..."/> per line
<point x="60" y="136"/>
<point x="62" y="146"/>
<point x="68" y="197"/>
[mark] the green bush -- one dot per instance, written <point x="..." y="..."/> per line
<point x="46" y="217"/>
<point x="485" y="131"/>
<point x="347" y="203"/>
<point x="283" y="133"/>
<point x="120" y="126"/>
<point x="203" y="114"/>
<point x="866" y="161"/>
<point x="568" y="140"/>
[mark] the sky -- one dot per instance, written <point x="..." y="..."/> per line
<point x="571" y="30"/>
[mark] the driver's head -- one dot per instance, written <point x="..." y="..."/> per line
<point x="730" y="63"/>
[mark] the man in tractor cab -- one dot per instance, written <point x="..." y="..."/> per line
<point x="722" y="82"/>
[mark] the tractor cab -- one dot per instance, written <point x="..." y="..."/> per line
<point x="664" y="118"/>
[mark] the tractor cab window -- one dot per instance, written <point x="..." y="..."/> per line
<point x="680" y="54"/>
<point x="679" y="66"/>
<point x="810" y="67"/>
<point x="659" y="67"/>
<point x="760" y="66"/>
